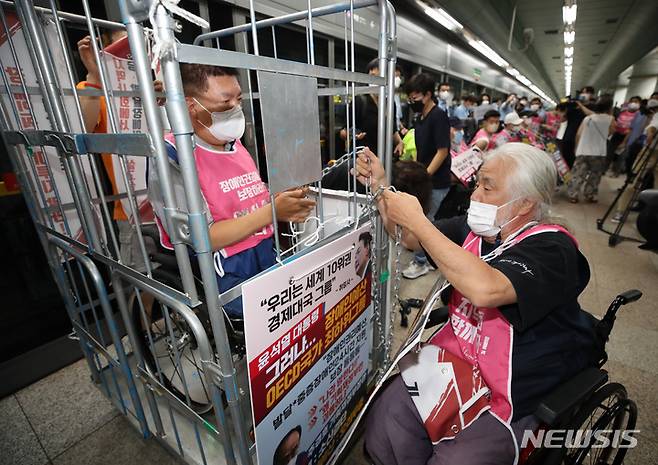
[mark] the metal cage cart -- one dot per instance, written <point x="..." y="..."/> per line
<point x="155" y="337"/>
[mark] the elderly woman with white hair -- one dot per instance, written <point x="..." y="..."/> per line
<point x="515" y="331"/>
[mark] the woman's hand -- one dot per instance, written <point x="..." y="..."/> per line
<point x="402" y="209"/>
<point x="369" y="167"/>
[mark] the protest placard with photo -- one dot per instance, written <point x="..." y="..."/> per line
<point x="308" y="337"/>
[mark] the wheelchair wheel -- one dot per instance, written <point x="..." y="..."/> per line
<point x="169" y="348"/>
<point x="608" y="410"/>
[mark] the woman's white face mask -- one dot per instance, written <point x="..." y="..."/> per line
<point x="482" y="218"/>
<point x="226" y="125"/>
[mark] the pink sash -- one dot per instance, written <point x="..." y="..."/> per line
<point x="466" y="368"/>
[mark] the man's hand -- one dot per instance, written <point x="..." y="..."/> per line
<point x="359" y="135"/>
<point x="293" y="205"/>
<point x="399" y="149"/>
<point x="158" y="86"/>
<point x="89" y="60"/>
<point x="369" y="166"/>
<point x="402" y="209"/>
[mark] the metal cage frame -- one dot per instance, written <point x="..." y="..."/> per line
<point x="123" y="376"/>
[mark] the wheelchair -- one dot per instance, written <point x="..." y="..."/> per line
<point x="587" y="403"/>
<point x="168" y="345"/>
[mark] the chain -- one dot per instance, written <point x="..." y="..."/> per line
<point x="372" y="199"/>
<point x="396" y="283"/>
<point x="341" y="161"/>
<point x="374" y="284"/>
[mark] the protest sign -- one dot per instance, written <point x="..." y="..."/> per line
<point x="308" y="337"/>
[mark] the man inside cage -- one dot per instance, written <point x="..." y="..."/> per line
<point x="238" y="208"/>
<point x="515" y="328"/>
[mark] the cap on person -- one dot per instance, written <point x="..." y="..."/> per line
<point x="455" y="122"/>
<point x="513" y="118"/>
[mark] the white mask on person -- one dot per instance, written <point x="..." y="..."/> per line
<point x="482" y="218"/>
<point x="226" y="125"/>
<point x="534" y="107"/>
<point x="485" y="102"/>
<point x="397" y="82"/>
<point x="633" y="106"/>
<point x="445" y="95"/>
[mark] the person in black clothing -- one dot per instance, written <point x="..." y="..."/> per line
<point x="576" y="112"/>
<point x="366" y="108"/>
<point x="432" y="134"/>
<point x="509" y="265"/>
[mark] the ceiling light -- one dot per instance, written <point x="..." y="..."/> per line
<point x="569" y="14"/>
<point x="440" y="16"/>
<point x="524" y="80"/>
<point x="485" y="50"/>
<point x="568" y="61"/>
<point x="512" y="71"/>
<point x="568" y="51"/>
<point x="569" y="37"/>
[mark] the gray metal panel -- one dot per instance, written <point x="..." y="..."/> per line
<point x="291" y="143"/>
<point x="211" y="56"/>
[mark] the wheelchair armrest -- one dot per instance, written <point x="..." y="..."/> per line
<point x="630" y="296"/>
<point x="570" y="394"/>
<point x="437" y="316"/>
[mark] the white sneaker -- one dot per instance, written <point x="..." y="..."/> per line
<point x="616" y="218"/>
<point x="416" y="270"/>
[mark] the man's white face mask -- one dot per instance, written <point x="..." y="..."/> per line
<point x="397" y="82"/>
<point x="482" y="218"/>
<point x="226" y="125"/>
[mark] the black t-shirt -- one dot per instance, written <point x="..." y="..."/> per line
<point x="365" y="110"/>
<point x="553" y="336"/>
<point x="433" y="133"/>
<point x="575" y="116"/>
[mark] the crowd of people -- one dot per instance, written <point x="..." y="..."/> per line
<point x="590" y="133"/>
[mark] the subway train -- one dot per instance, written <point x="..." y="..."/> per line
<point x="215" y="224"/>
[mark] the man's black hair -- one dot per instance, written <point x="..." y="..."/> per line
<point x="445" y="84"/>
<point x="587" y="89"/>
<point x="412" y="177"/>
<point x="374" y="63"/>
<point x="470" y="98"/>
<point x="491" y="113"/>
<point x="195" y="76"/>
<point x="366" y="238"/>
<point x="636" y="97"/>
<point x="603" y="104"/>
<point x="422" y="83"/>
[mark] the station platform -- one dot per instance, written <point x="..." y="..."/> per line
<point x="64" y="419"/>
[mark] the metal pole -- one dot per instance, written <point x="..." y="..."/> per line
<point x="284" y="19"/>
<point x="391" y="36"/>
<point x="92" y="162"/>
<point x="143" y="70"/>
<point x="72" y="17"/>
<point x="104" y="301"/>
<point x="111" y="116"/>
<point x="182" y="129"/>
<point x="41" y="59"/>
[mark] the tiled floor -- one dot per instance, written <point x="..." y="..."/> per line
<point x="64" y="419"/>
